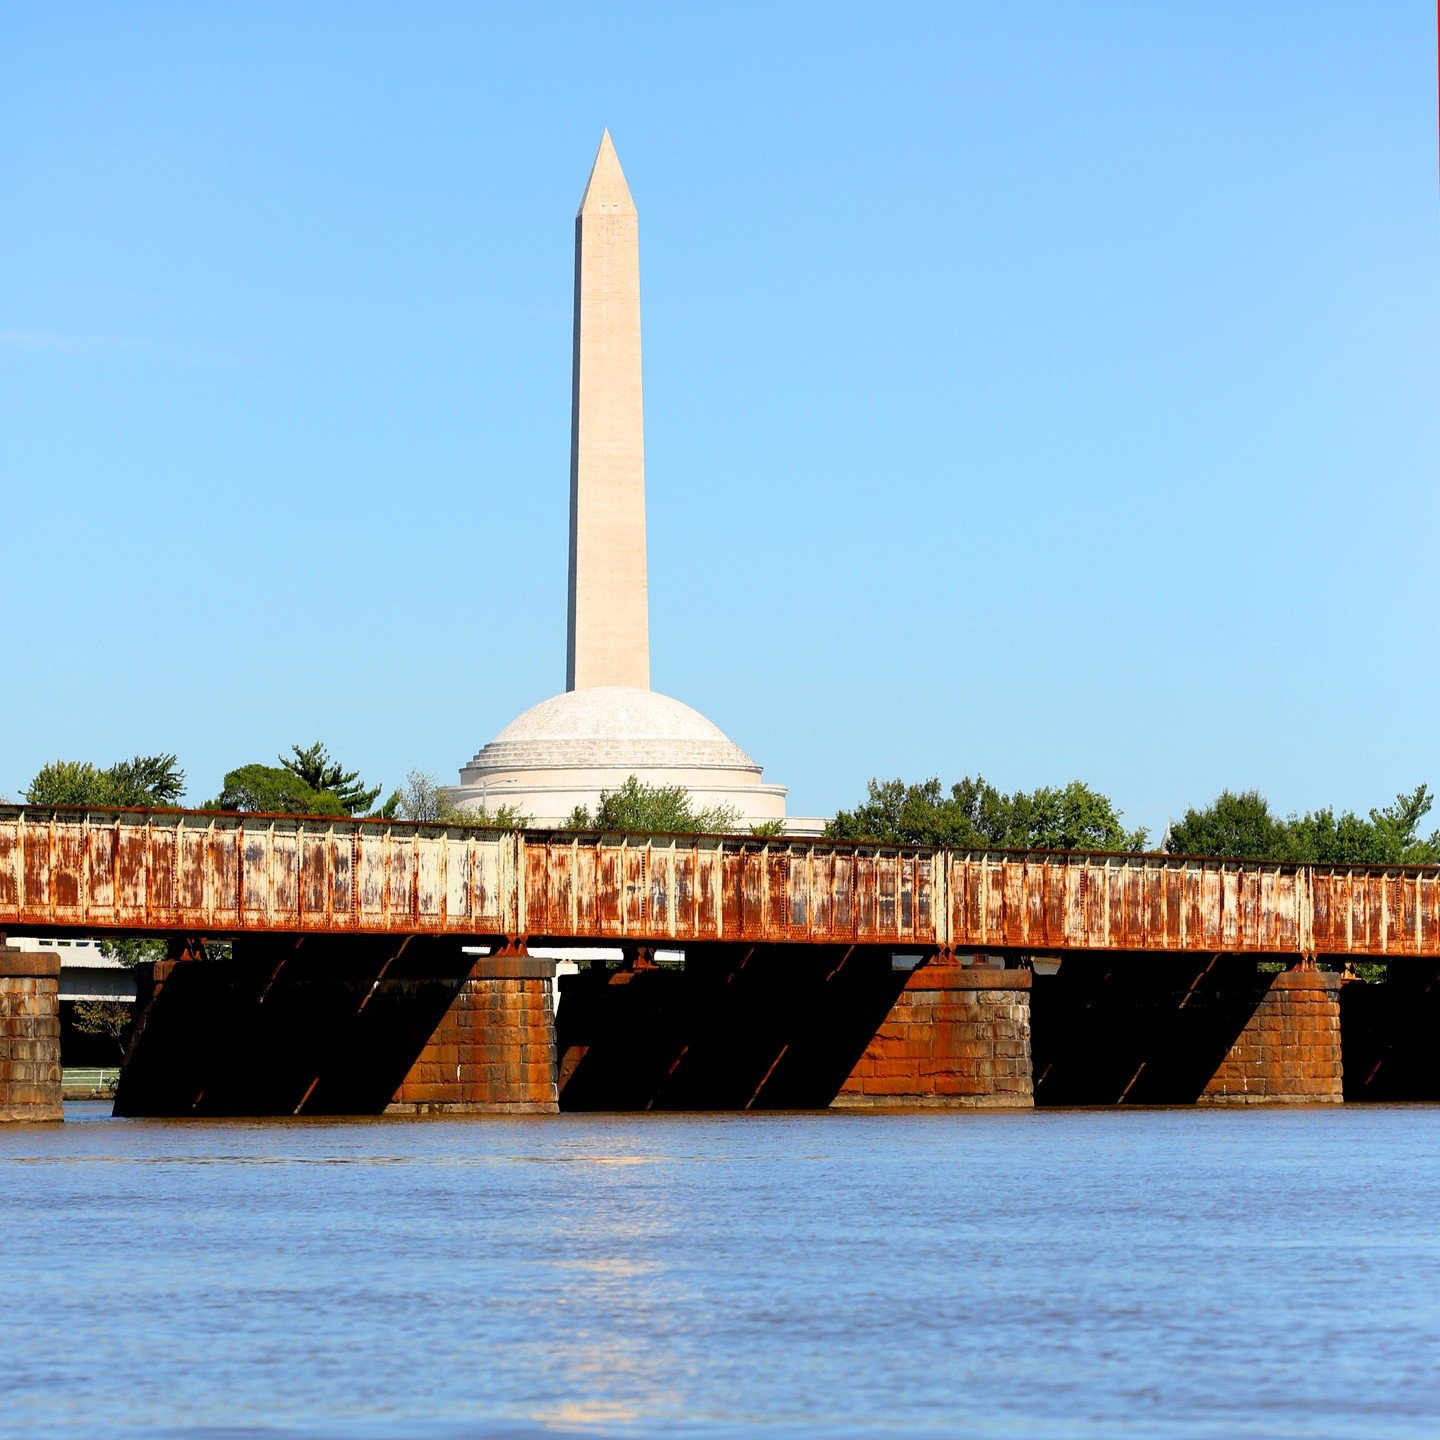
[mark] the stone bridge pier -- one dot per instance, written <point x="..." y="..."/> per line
<point x="29" y="1035"/>
<point x="1144" y="1029"/>
<point x="342" y="1026"/>
<point x="794" y="1027"/>
<point x="329" y="1025"/>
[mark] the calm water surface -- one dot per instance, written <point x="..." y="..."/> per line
<point x="1075" y="1274"/>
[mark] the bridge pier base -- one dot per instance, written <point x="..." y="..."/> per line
<point x="794" y="1027"/>
<point x="1162" y="1030"/>
<point x="955" y="1038"/>
<point x="493" y="1052"/>
<point x="29" y="1036"/>
<point x="1288" y="1052"/>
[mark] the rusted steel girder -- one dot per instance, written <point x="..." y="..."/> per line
<point x="200" y="873"/>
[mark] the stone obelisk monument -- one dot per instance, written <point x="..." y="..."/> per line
<point x="608" y="724"/>
<point x="609" y="623"/>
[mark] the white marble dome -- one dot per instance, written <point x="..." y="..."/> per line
<point x="612" y="725"/>
<point x="564" y="751"/>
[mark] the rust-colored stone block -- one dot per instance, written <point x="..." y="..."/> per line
<point x="495" y="1046"/>
<point x="28" y="966"/>
<point x="951" y="1035"/>
<point x="896" y="1070"/>
<point x="928" y="1068"/>
<point x="981" y="1048"/>
<point x="30" y="1027"/>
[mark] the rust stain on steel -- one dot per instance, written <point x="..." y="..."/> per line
<point x="197" y="872"/>
<point x="97" y="871"/>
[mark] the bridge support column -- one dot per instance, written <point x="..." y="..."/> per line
<point x="493" y="1052"/>
<point x="1289" y="1050"/>
<point x="797" y="1027"/>
<point x="29" y="1036"/>
<point x="955" y="1038"/>
<point x="1171" y="1030"/>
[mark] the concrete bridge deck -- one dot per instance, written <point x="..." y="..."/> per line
<point x="201" y="873"/>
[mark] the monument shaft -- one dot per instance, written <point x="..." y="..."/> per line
<point x="609" y="623"/>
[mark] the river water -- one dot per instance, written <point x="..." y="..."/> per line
<point x="1169" y="1273"/>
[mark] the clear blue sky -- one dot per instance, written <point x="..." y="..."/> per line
<point x="1043" y="391"/>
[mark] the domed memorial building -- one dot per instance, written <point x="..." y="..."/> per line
<point x="564" y="751"/>
<point x="609" y="724"/>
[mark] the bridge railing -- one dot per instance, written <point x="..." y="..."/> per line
<point x="198" y="872"/>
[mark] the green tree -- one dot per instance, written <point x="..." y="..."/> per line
<point x="274" y="790"/>
<point x="1325" y="838"/>
<point x="1398" y="828"/>
<point x="314" y="767"/>
<point x="1237" y="824"/>
<point x="895" y="813"/>
<point x="110" y="1018"/>
<point x="1243" y="826"/>
<point x="144" y="782"/>
<point x="975" y="815"/>
<point x="421" y="798"/>
<point x="148" y="780"/>
<point x="653" y="809"/>
<point x="1073" y="818"/>
<point x="70" y="782"/>
<point x="133" y="952"/>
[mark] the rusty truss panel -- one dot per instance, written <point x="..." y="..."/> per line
<point x="1122" y="902"/>
<point x="682" y="887"/>
<point x="204" y="873"/>
<point x="1079" y="901"/>
<point x="201" y="873"/>
<point x="1375" y="912"/>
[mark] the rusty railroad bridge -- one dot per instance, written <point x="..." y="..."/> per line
<point x="387" y="966"/>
